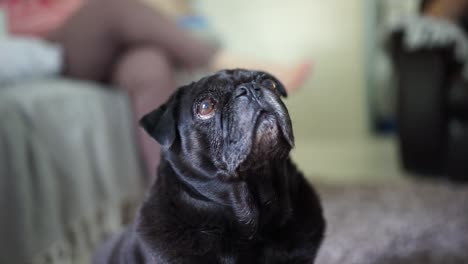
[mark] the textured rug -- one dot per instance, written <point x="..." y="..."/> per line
<point x="411" y="222"/>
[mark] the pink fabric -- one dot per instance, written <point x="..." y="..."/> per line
<point x="37" y="17"/>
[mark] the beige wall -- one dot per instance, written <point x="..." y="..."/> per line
<point x="332" y="105"/>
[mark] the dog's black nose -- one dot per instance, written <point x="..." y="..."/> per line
<point x="241" y="91"/>
<point x="248" y="90"/>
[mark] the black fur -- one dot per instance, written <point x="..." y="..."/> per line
<point x="226" y="190"/>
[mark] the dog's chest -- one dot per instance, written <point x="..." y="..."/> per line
<point x="228" y="259"/>
<point x="240" y="257"/>
<point x="230" y="250"/>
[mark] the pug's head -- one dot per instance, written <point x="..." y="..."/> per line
<point x="230" y="122"/>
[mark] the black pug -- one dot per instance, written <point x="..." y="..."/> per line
<point x="226" y="190"/>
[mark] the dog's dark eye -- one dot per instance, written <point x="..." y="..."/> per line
<point x="270" y="84"/>
<point x="206" y="107"/>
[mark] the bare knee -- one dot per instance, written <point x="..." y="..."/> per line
<point x="144" y="69"/>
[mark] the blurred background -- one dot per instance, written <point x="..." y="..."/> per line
<point x="330" y="114"/>
<point x="344" y="115"/>
<point x="383" y="104"/>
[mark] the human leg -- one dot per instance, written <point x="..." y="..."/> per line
<point x="147" y="74"/>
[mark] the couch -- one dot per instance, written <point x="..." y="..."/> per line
<point x="70" y="172"/>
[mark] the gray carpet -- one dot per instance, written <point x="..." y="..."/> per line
<point x="413" y="222"/>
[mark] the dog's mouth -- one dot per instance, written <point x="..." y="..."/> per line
<point x="256" y="131"/>
<point x="269" y="134"/>
<point x="265" y="136"/>
<point x="266" y="129"/>
<point x="268" y="142"/>
<point x="271" y="127"/>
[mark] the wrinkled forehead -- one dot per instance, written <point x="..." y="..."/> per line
<point x="226" y="81"/>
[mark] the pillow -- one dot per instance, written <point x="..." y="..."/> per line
<point x="28" y="58"/>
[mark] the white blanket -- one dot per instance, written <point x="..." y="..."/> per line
<point x="23" y="58"/>
<point x="426" y="32"/>
<point x="68" y="166"/>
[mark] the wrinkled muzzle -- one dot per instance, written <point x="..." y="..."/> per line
<point x="256" y="128"/>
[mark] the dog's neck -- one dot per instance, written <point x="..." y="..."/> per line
<point x="260" y="193"/>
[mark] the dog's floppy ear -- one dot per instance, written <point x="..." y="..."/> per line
<point x="280" y="88"/>
<point x="160" y="123"/>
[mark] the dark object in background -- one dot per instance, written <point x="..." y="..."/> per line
<point x="432" y="104"/>
<point x="226" y="189"/>
<point x="457" y="164"/>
